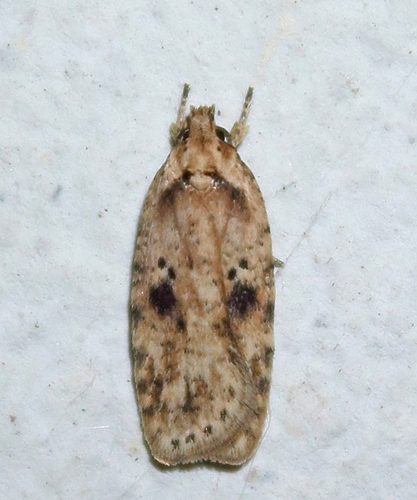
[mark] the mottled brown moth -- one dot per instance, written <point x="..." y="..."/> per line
<point x="202" y="302"/>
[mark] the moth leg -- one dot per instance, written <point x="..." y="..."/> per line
<point x="179" y="125"/>
<point x="240" y="129"/>
<point x="278" y="263"/>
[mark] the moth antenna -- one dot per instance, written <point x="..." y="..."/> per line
<point x="180" y="124"/>
<point x="240" y="129"/>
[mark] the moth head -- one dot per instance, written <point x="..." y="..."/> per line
<point x="200" y="126"/>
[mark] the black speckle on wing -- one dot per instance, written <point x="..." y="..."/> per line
<point x="137" y="315"/>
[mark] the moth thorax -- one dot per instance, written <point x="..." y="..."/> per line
<point x="201" y="181"/>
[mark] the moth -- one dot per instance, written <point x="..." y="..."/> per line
<point x="202" y="298"/>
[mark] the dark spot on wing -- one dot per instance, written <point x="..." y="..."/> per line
<point x="234" y="356"/>
<point x="256" y="366"/>
<point x="162" y="298"/>
<point x="269" y="355"/>
<point x="242" y="298"/>
<point x="269" y="312"/>
<point x="149" y="410"/>
<point x="263" y="385"/>
<point x="161" y="263"/>
<point x="168" y="197"/>
<point x="231" y="274"/>
<point x="190" y="438"/>
<point x="238" y="197"/>
<point x="139" y="356"/>
<point x="137" y="315"/>
<point x="243" y="264"/>
<point x="235" y="193"/>
<point x="188" y="407"/>
<point x="169" y="194"/>
<point x="208" y="430"/>
<point x="137" y="268"/>
<point x="156" y="388"/>
<point x="171" y="273"/>
<point x="142" y="386"/>
<point x="181" y="324"/>
<point x="175" y="444"/>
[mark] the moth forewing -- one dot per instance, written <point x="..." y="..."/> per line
<point x="202" y="298"/>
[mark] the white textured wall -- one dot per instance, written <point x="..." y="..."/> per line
<point x="87" y="93"/>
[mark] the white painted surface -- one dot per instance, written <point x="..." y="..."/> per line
<point x="88" y="90"/>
